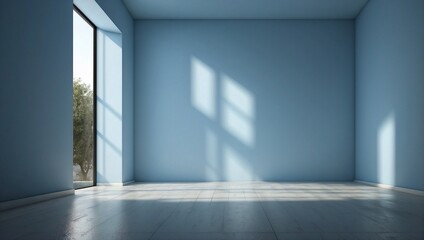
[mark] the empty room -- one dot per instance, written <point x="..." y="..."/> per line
<point x="212" y="119"/>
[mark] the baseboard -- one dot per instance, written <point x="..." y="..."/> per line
<point x="35" y="199"/>
<point x="115" y="184"/>
<point x="129" y="182"/>
<point x="386" y="186"/>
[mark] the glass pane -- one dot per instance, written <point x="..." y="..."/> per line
<point x="83" y="80"/>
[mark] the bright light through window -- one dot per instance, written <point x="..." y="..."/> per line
<point x="83" y="100"/>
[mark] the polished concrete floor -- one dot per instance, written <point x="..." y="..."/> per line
<point x="247" y="210"/>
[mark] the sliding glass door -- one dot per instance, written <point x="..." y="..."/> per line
<point x="84" y="100"/>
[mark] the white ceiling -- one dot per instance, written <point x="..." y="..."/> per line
<point x="245" y="9"/>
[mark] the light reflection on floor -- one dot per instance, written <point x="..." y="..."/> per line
<point x="237" y="210"/>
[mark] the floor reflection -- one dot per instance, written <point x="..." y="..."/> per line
<point x="233" y="210"/>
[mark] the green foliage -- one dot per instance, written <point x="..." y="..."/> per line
<point x="83" y="127"/>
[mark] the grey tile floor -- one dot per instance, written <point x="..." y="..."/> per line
<point x="243" y="210"/>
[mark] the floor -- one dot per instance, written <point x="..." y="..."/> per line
<point x="247" y="210"/>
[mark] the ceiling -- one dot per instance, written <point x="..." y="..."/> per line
<point x="245" y="9"/>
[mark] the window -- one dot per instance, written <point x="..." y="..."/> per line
<point x="84" y="100"/>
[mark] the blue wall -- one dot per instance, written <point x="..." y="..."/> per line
<point x="35" y="98"/>
<point x="390" y="93"/>
<point x="120" y="16"/>
<point x="109" y="107"/>
<point x="244" y="100"/>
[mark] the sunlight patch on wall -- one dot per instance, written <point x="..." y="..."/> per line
<point x="238" y="111"/>
<point x="203" y="87"/>
<point x="109" y="107"/>
<point x="238" y="96"/>
<point x="387" y="150"/>
<point x="211" y="155"/>
<point x="236" y="165"/>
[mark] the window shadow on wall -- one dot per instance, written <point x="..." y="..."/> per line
<point x="231" y="107"/>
